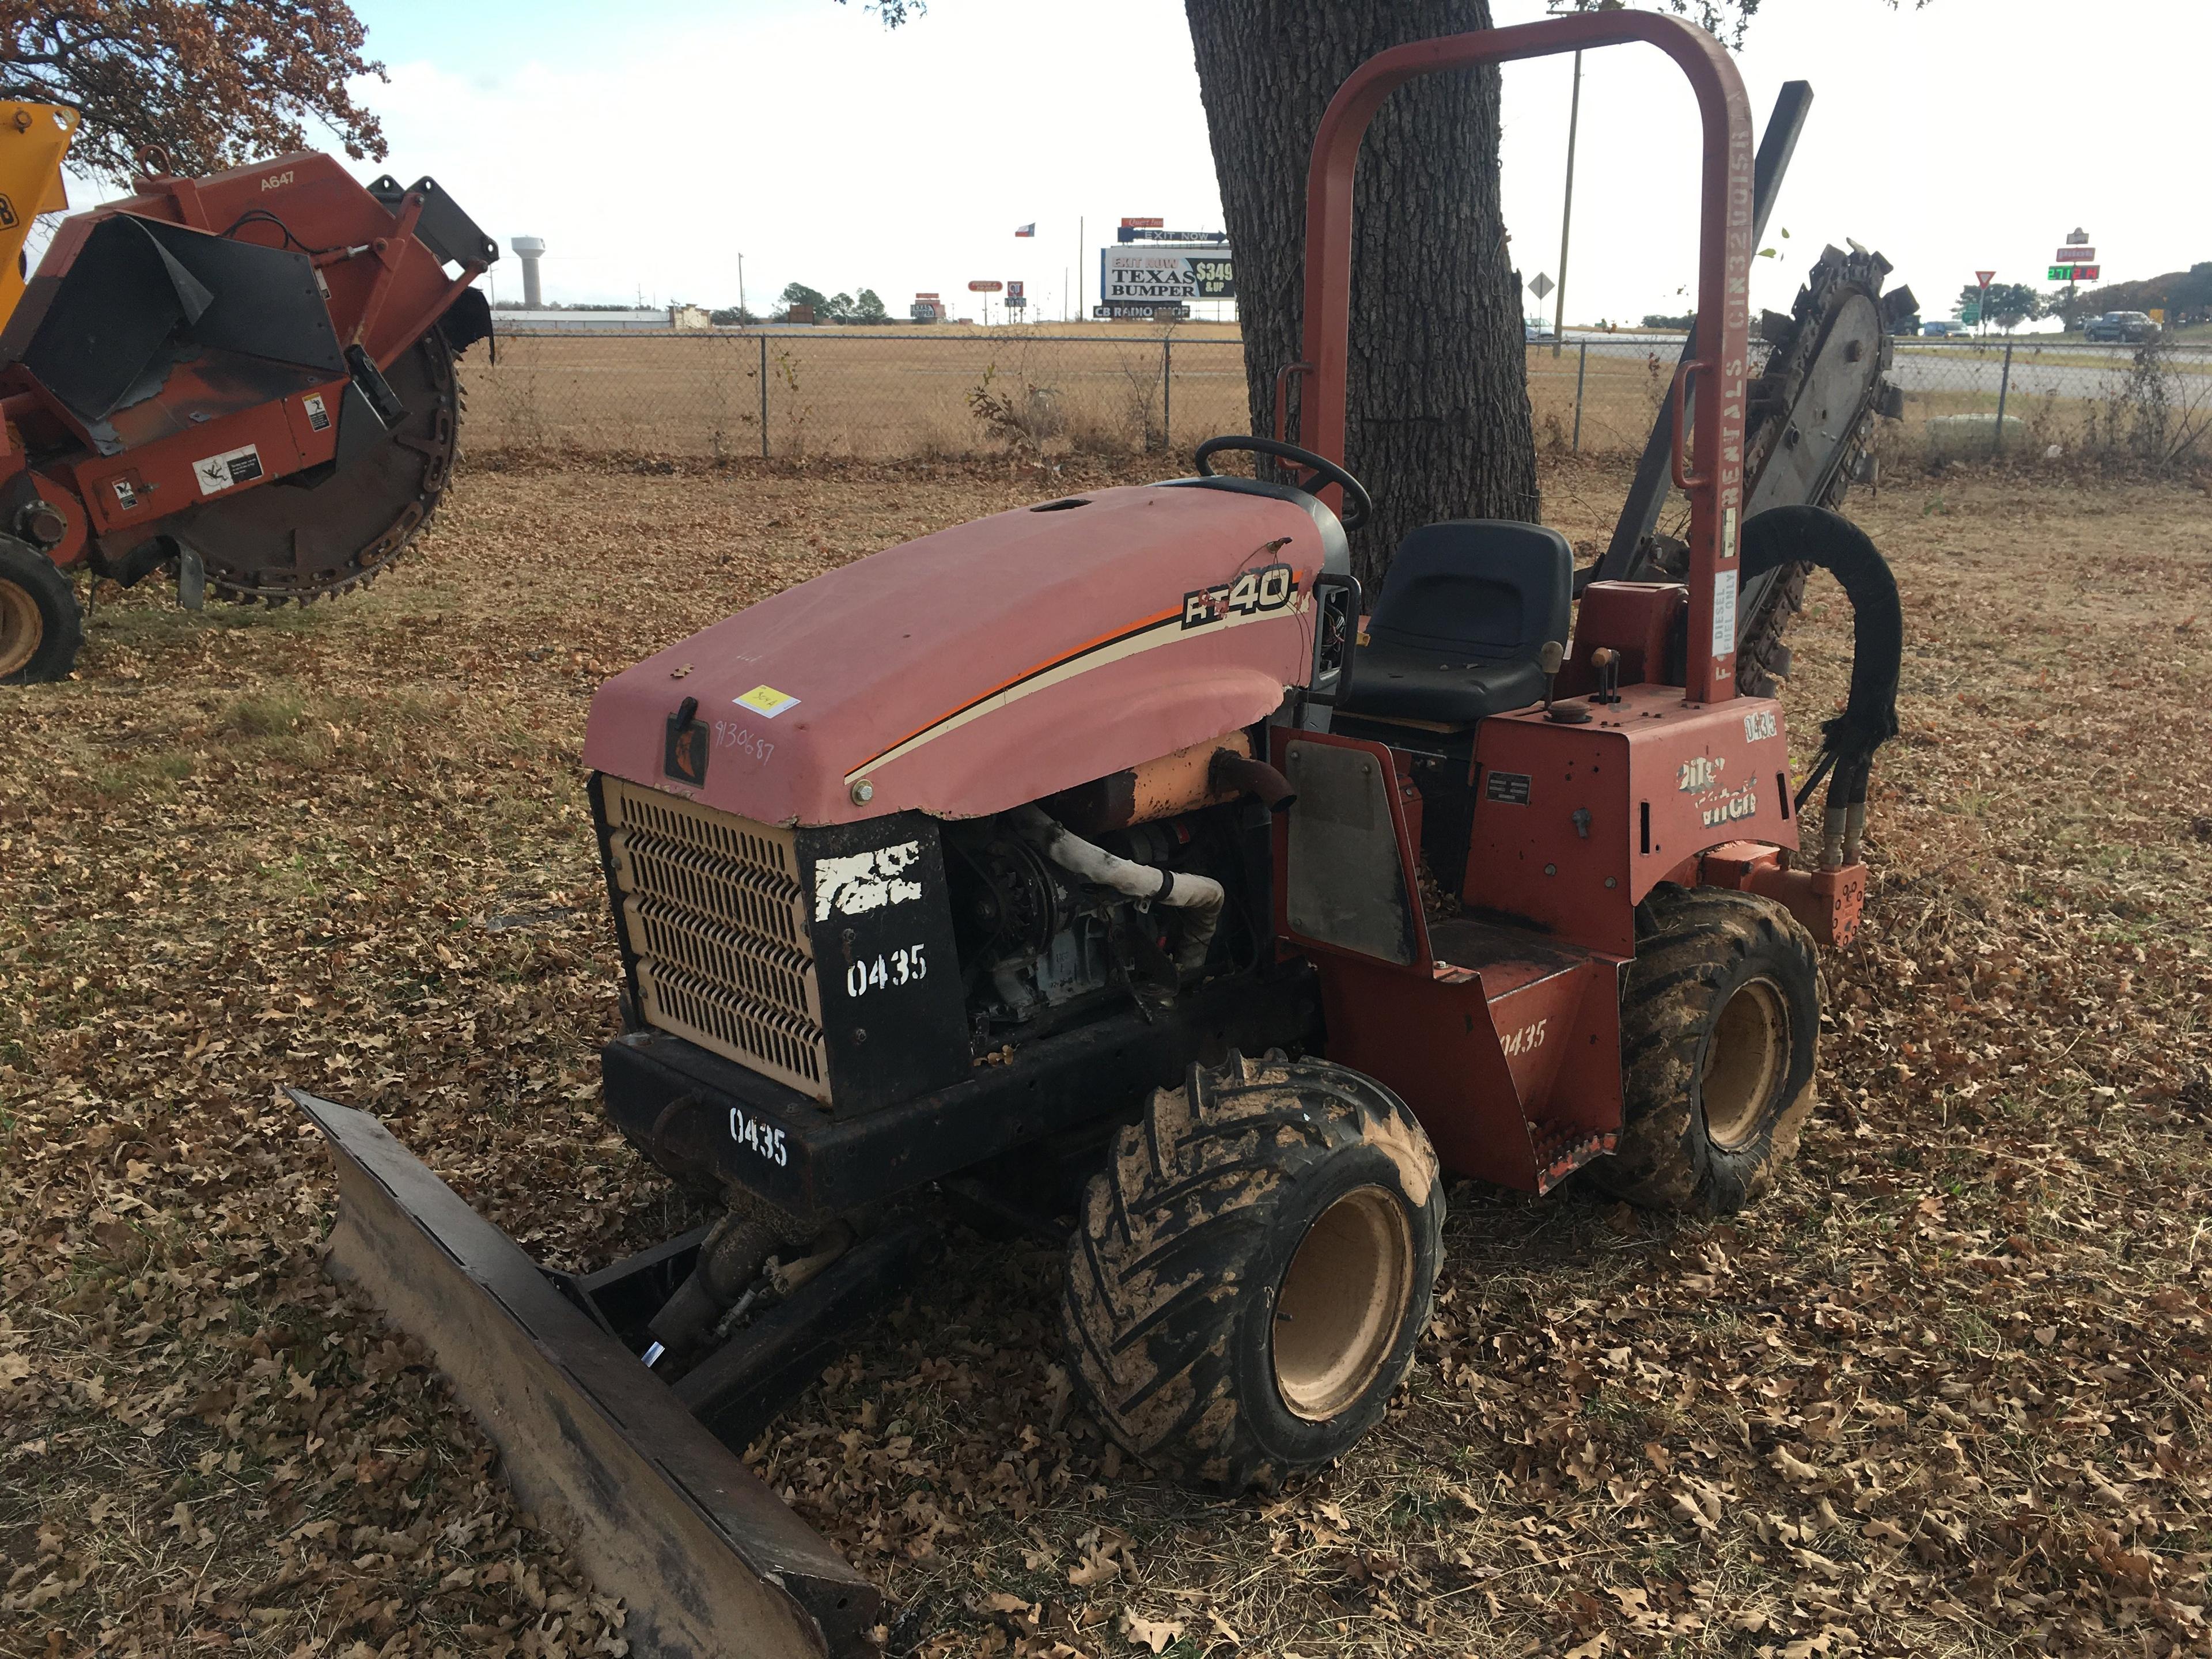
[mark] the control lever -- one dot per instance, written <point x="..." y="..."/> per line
<point x="1549" y="658"/>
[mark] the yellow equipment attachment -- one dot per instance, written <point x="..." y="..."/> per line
<point x="34" y="139"/>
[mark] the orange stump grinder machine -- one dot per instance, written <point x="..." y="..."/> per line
<point x="245" y="379"/>
<point x="926" y="873"/>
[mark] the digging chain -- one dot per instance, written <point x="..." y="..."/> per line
<point x="1796" y="342"/>
<point x="437" y="448"/>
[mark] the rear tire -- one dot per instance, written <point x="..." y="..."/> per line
<point x="1719" y="1038"/>
<point x="1249" y="1279"/>
<point x="41" y="626"/>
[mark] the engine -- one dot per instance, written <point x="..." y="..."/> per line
<point x="864" y="964"/>
<point x="1052" y="924"/>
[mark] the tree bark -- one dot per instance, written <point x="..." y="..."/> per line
<point x="1438" y="423"/>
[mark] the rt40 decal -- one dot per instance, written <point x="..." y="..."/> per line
<point x="1268" y="588"/>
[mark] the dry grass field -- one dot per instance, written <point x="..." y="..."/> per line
<point x="1945" y="1393"/>
<point x="1106" y="390"/>
<point x="1103" y="391"/>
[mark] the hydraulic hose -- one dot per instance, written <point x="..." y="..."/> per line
<point x="1201" y="895"/>
<point x="1816" y="535"/>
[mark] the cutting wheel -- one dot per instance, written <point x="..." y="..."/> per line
<point x="324" y="531"/>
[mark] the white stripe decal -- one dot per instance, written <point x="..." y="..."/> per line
<point x="1163" y="633"/>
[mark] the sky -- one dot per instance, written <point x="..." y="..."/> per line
<point x="824" y="148"/>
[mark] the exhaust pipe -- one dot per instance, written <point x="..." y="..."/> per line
<point x="1230" y="770"/>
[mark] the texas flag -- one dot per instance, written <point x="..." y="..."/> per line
<point x="1028" y="229"/>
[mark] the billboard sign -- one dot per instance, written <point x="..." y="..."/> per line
<point x="2075" y="255"/>
<point x="1013" y="291"/>
<point x="2073" y="274"/>
<point x="985" y="288"/>
<point x="1160" y="275"/>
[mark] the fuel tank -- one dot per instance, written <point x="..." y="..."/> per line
<point x="982" y="666"/>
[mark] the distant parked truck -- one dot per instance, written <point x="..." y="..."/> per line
<point x="2124" y="327"/>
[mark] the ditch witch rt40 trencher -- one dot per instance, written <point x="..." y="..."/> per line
<point x="927" y="871"/>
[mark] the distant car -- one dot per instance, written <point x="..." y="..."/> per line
<point x="1535" y="331"/>
<point x="2124" y="327"/>
<point x="1943" y="329"/>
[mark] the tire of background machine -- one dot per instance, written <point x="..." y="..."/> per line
<point x="36" y="598"/>
<point x="1181" y="1262"/>
<point x="1714" y="970"/>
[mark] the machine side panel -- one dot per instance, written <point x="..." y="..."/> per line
<point x="887" y="969"/>
<point x="1346" y="871"/>
<point x="1710" y="776"/>
<point x="1502" y="1065"/>
<point x="1553" y="828"/>
<point x="1575" y="823"/>
<point x="1431" y="1041"/>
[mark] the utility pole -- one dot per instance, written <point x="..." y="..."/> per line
<point x="1567" y="211"/>
<point x="1078" y="269"/>
<point x="741" y="287"/>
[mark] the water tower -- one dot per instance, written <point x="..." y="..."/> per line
<point x="530" y="248"/>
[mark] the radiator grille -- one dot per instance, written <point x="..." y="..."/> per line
<point x="712" y="909"/>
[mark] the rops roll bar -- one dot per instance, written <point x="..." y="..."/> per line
<point x="1710" y="384"/>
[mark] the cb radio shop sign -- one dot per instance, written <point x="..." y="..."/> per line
<point x="1160" y="275"/>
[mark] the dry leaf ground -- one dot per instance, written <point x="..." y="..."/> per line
<point x="1945" y="1393"/>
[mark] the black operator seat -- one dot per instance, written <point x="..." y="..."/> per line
<point x="1464" y="615"/>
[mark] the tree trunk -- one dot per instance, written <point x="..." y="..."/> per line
<point x="1439" y="424"/>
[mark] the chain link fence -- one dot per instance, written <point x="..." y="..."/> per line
<point x="956" y="394"/>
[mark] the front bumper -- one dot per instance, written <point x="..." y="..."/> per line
<point x="705" y="1118"/>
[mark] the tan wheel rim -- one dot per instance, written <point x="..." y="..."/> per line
<point x="1746" y="1058"/>
<point x="1342" y="1301"/>
<point x="22" y="627"/>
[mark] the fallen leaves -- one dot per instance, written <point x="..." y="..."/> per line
<point x="1156" y="1634"/>
<point x="1946" y="1391"/>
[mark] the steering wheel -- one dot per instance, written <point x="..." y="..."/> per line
<point x="1359" y="506"/>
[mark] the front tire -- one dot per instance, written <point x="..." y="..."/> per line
<point x="41" y="626"/>
<point x="1719" y="1036"/>
<point x="1249" y="1279"/>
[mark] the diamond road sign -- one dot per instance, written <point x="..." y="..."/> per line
<point x="1542" y="286"/>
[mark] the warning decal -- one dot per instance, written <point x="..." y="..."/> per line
<point x="220" y="472"/>
<point x="766" y="702"/>
<point x="1724" y="612"/>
